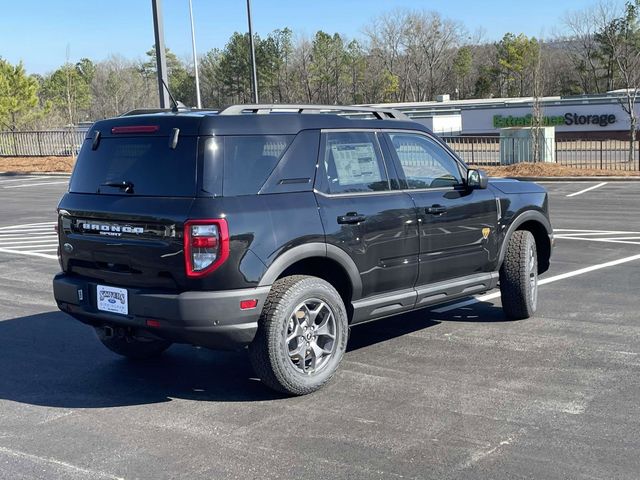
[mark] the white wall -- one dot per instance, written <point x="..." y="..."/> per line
<point x="443" y="124"/>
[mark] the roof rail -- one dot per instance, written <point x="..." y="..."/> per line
<point x="148" y="111"/>
<point x="379" y="113"/>
<point x="144" y="111"/>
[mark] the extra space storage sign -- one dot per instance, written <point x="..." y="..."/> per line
<point x="568" y="117"/>
<point x="601" y="120"/>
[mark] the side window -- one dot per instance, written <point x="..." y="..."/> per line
<point x="248" y="162"/>
<point x="353" y="163"/>
<point x="425" y="163"/>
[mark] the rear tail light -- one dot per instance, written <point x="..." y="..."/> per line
<point x="206" y="245"/>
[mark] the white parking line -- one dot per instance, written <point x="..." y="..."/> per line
<point x="611" y="236"/>
<point x="27" y="225"/>
<point x="35" y="184"/>
<point x="33" y="239"/>
<point x="578" y="230"/>
<point x="591" y="234"/>
<point x="543" y="281"/>
<point x="30" y="254"/>
<point x="16" y="241"/>
<point x="587" y="189"/>
<point x="604" y="240"/>
<point x="23" y="179"/>
<point x="35" y="228"/>
<point x="40" y="462"/>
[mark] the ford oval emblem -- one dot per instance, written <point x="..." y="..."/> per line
<point x="68" y="247"/>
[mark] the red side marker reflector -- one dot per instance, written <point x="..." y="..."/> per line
<point x="153" y="323"/>
<point x="135" y="129"/>
<point x="248" y="304"/>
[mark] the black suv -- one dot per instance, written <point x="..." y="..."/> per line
<point x="279" y="227"/>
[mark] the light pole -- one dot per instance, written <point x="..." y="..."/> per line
<point x="254" y="74"/>
<point x="161" y="60"/>
<point x="195" y="57"/>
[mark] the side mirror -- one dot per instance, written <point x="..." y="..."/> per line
<point x="477" y="179"/>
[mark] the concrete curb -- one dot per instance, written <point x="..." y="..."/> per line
<point x="578" y="179"/>
<point x="28" y="174"/>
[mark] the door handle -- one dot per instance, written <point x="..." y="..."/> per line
<point x="351" y="218"/>
<point x="435" y="210"/>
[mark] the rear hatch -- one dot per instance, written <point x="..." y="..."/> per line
<point x="131" y="192"/>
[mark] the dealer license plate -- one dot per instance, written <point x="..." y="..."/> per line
<point x="112" y="299"/>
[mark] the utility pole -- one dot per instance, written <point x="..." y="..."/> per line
<point x="254" y="74"/>
<point x="195" y="57"/>
<point x="161" y="59"/>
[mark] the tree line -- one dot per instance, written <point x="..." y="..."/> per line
<point x="402" y="56"/>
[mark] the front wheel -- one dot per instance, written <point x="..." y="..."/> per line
<point x="519" y="276"/>
<point x="302" y="335"/>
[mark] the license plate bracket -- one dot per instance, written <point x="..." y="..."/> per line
<point x="112" y="299"/>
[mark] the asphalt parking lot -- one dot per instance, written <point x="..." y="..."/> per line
<point x="449" y="393"/>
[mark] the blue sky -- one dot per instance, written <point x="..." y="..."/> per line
<point x="38" y="32"/>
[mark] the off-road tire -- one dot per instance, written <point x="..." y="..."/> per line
<point x="519" y="277"/>
<point x="268" y="352"/>
<point x="131" y="346"/>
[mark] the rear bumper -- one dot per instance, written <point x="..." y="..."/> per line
<point x="209" y="319"/>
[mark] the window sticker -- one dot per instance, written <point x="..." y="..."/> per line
<point x="356" y="163"/>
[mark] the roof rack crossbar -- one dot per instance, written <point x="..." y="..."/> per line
<point x="379" y="113"/>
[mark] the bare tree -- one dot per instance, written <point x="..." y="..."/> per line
<point x="582" y="47"/>
<point x="621" y="36"/>
<point x="385" y="35"/>
<point x="118" y="86"/>
<point x="431" y="44"/>
<point x="302" y="69"/>
<point x="537" y="114"/>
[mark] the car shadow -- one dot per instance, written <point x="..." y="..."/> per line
<point x="52" y="360"/>
<point x="368" y="334"/>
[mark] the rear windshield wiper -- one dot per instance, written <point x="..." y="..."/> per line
<point x="123" y="185"/>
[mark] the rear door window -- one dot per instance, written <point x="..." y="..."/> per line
<point x="248" y="160"/>
<point x="147" y="163"/>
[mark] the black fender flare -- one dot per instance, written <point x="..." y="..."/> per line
<point x="527" y="216"/>
<point x="311" y="250"/>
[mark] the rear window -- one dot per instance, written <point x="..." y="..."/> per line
<point x="246" y="162"/>
<point x="147" y="163"/>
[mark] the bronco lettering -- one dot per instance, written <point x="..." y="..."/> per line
<point x="105" y="229"/>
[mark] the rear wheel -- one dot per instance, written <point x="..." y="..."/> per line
<point x="519" y="276"/>
<point x="126" y="343"/>
<point x="302" y="335"/>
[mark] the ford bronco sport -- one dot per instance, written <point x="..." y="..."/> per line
<point x="279" y="227"/>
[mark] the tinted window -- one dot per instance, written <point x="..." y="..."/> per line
<point x="148" y="163"/>
<point x="353" y="163"/>
<point x="425" y="163"/>
<point x="248" y="161"/>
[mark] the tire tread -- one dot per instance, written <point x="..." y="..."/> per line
<point x="262" y="350"/>
<point x="514" y="288"/>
